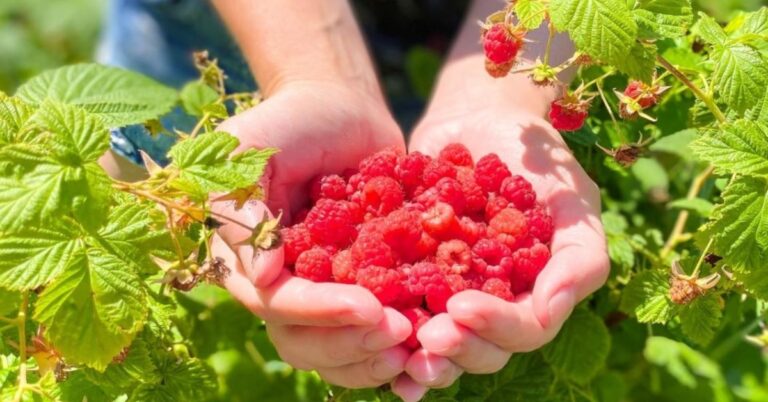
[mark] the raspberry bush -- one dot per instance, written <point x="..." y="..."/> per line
<point x="108" y="290"/>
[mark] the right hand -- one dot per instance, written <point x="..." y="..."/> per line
<point x="342" y="331"/>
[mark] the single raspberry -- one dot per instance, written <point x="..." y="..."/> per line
<point x="343" y="267"/>
<point x="296" y="240"/>
<point x="454" y="257"/>
<point x="490" y="171"/>
<point x="332" y="186"/>
<point x="407" y="299"/>
<point x="355" y="184"/>
<point x="519" y="192"/>
<point x="456" y="154"/>
<point x="568" y="113"/>
<point x="540" y="224"/>
<point x="384" y="283"/>
<point x="418" y="317"/>
<point x="500" y="44"/>
<point x="410" y="169"/>
<point x="496" y="204"/>
<point x="456" y="282"/>
<point x="401" y="230"/>
<point x="474" y="194"/>
<point x="473" y="280"/>
<point x="509" y="226"/>
<point x="491" y="258"/>
<point x="424" y="248"/>
<point x="381" y="163"/>
<point x="332" y="222"/>
<point x="438" y="299"/>
<point x="426" y="198"/>
<point x="439" y="219"/>
<point x="637" y="97"/>
<point x="470" y="231"/>
<point x="372" y="250"/>
<point x="499" y="288"/>
<point x="436" y="170"/>
<point x="527" y="263"/>
<point x="382" y="195"/>
<point x="450" y="192"/>
<point x="314" y="264"/>
<point x="425" y="278"/>
<point x="371" y="227"/>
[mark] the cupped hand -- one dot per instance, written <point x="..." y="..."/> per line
<point x="479" y="332"/>
<point x="342" y="331"/>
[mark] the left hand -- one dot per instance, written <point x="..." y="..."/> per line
<point x="480" y="332"/>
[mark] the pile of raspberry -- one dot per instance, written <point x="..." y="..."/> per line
<point x="416" y="230"/>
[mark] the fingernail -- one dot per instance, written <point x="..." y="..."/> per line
<point x="560" y="306"/>
<point x="386" y="366"/>
<point x="379" y="339"/>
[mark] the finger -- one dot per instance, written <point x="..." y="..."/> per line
<point x="407" y="389"/>
<point x="296" y="301"/>
<point x="377" y="370"/>
<point x="262" y="267"/>
<point x="513" y="327"/>
<point x="444" y="337"/>
<point x="431" y="370"/>
<point x="339" y="346"/>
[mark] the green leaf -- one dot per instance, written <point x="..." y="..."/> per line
<point x="741" y="147"/>
<point x="686" y="365"/>
<point x="740" y="76"/>
<point x="651" y="175"/>
<point x="180" y="380"/>
<point x="35" y="256"/>
<point x="35" y="197"/>
<point x="93" y="310"/>
<point x="658" y="19"/>
<point x="206" y="165"/>
<point x="119" y="97"/>
<point x="137" y="368"/>
<point x="676" y="144"/>
<point x="9" y="302"/>
<point x="604" y="29"/>
<point x="195" y="96"/>
<point x="14" y="116"/>
<point x="754" y="281"/>
<point x="76" y="136"/>
<point x="620" y="251"/>
<point x="700" y="319"/>
<point x="614" y="223"/>
<point x="581" y="348"/>
<point x="526" y="377"/>
<point x="756" y="23"/>
<point x="698" y="205"/>
<point x="641" y="62"/>
<point x="530" y="13"/>
<point x="78" y="387"/>
<point x="647" y="295"/>
<point x="710" y="31"/>
<point x="739" y="225"/>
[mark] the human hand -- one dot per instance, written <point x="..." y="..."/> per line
<point x="479" y="332"/>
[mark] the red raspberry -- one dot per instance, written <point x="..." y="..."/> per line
<point x="371" y="250"/>
<point x="637" y="97"/>
<point x="425" y="278"/>
<point x="296" y="240"/>
<point x="438" y="299"/>
<point x="382" y="195"/>
<point x="490" y="171"/>
<point x="436" y="170"/>
<point x="454" y="257"/>
<point x="381" y="163"/>
<point x="410" y="169"/>
<point x="473" y="193"/>
<point x="470" y="231"/>
<point x="425" y="247"/>
<point x="401" y="230"/>
<point x="540" y="224"/>
<point x="300" y="216"/>
<point x="355" y="183"/>
<point x="527" y="263"/>
<point x="449" y="191"/>
<point x="333" y="187"/>
<point x="456" y="154"/>
<point x="384" y="283"/>
<point x="498" y="70"/>
<point x="519" y="192"/>
<point x="499" y="288"/>
<point x="509" y="226"/>
<point x="343" y="267"/>
<point x="568" y="113"/>
<point x="473" y="280"/>
<point x="332" y="222"/>
<point x="418" y="317"/>
<point x="500" y="44"/>
<point x="439" y="219"/>
<point x="314" y="264"/>
<point x="496" y="204"/>
<point x="491" y="258"/>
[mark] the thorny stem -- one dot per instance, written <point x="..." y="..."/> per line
<point x="203" y="120"/>
<point x="22" y="323"/>
<point x="708" y="100"/>
<point x="551" y="36"/>
<point x="682" y="218"/>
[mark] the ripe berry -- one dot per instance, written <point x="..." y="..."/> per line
<point x="438" y="219"/>
<point x="491" y="258"/>
<point x="475" y="196"/>
<point x="418" y="317"/>
<point x="509" y="226"/>
<point x="379" y="164"/>
<point x="637" y="97"/>
<point x="568" y="113"/>
<point x="500" y="44"/>
<point x="332" y="222"/>
<point x="410" y="169"/>
<point x="454" y="257"/>
<point x="436" y="170"/>
<point x="456" y="154"/>
<point x="332" y="186"/>
<point x="401" y="230"/>
<point x="490" y="172"/>
<point x="372" y="250"/>
<point x="499" y="288"/>
<point x="384" y="283"/>
<point x="296" y="240"/>
<point x="314" y="264"/>
<point x="382" y="195"/>
<point x="343" y="267"/>
<point x="540" y="224"/>
<point x="519" y="192"/>
<point x="449" y="191"/>
<point x="496" y="204"/>
<point x="527" y="263"/>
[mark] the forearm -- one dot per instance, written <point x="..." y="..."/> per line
<point x="287" y="41"/>
<point x="464" y="75"/>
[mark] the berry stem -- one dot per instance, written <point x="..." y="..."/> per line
<point x="548" y="49"/>
<point x="707" y="99"/>
<point x="203" y="120"/>
<point x="701" y="258"/>
<point x="22" y="324"/>
<point x="682" y="218"/>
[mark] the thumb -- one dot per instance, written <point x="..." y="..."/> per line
<point x="261" y="267"/>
